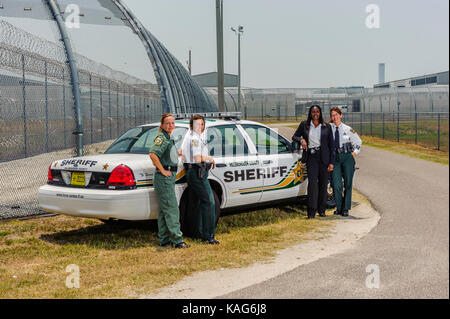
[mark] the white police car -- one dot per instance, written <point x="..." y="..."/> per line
<point x="254" y="165"/>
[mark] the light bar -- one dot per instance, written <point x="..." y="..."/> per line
<point x="220" y="115"/>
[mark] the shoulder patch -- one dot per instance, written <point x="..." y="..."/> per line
<point x="352" y="130"/>
<point x="195" y="143"/>
<point x="158" y="141"/>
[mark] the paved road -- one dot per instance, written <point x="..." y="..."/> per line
<point x="410" y="244"/>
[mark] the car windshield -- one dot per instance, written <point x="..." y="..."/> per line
<point x="139" y="140"/>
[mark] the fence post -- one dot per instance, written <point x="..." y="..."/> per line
<point x="46" y="105"/>
<point x="124" y="109"/>
<point x="64" y="105"/>
<point x="135" y="107"/>
<point x="110" y="114"/>
<point x="360" y="123"/>
<point x="24" y="107"/>
<point x="371" y="124"/>
<point x="382" y="116"/>
<point x="117" y="111"/>
<point x="101" y="110"/>
<point x="415" y="118"/>
<point x="398" y="126"/>
<point x="439" y="131"/>
<point x="262" y="111"/>
<point x="90" y="97"/>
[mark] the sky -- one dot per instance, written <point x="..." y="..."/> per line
<point x="305" y="44"/>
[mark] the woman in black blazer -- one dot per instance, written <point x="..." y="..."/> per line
<point x="319" y="155"/>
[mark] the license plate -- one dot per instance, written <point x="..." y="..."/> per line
<point x="78" y="179"/>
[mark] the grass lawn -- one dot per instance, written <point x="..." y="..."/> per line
<point x="123" y="261"/>
<point x="412" y="150"/>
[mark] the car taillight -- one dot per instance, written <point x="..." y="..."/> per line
<point x="50" y="177"/>
<point x="121" y="176"/>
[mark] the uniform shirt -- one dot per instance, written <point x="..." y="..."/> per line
<point x="314" y="135"/>
<point x="347" y="135"/>
<point x="194" y="145"/>
<point x="164" y="147"/>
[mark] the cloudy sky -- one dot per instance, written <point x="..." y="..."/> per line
<point x="296" y="43"/>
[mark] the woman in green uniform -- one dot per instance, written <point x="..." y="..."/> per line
<point x="347" y="145"/>
<point x="164" y="155"/>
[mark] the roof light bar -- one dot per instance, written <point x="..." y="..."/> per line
<point x="220" y="115"/>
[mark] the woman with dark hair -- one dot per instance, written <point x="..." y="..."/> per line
<point x="316" y="138"/>
<point x="197" y="163"/>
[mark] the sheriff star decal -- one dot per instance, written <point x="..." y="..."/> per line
<point x="299" y="171"/>
<point x="105" y="167"/>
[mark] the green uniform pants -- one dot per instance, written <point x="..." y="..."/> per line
<point x="205" y="218"/>
<point x="169" y="214"/>
<point x="343" y="168"/>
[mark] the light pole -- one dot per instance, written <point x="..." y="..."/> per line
<point x="238" y="32"/>
<point x="220" y="68"/>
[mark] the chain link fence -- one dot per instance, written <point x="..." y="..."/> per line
<point x="126" y="78"/>
<point x="416" y="115"/>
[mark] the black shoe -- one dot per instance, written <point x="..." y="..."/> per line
<point x="322" y="215"/>
<point x="212" y="241"/>
<point x="311" y="216"/>
<point x="182" y="245"/>
<point x="337" y="212"/>
<point x="345" y="213"/>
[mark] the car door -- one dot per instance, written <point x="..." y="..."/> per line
<point x="236" y="165"/>
<point x="283" y="170"/>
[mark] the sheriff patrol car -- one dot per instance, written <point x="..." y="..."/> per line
<point x="254" y="164"/>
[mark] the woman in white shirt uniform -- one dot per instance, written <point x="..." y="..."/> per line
<point x="197" y="163"/>
<point x="347" y="145"/>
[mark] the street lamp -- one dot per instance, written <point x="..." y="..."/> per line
<point x="238" y="32"/>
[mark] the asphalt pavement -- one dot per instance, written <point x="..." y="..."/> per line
<point x="409" y="246"/>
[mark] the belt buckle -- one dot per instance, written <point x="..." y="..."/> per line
<point x="313" y="151"/>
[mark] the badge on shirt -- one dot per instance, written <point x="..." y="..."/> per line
<point x="158" y="141"/>
<point x="195" y="143"/>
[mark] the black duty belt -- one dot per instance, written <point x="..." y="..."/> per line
<point x="197" y="165"/>
<point x="170" y="168"/>
<point x="346" y="148"/>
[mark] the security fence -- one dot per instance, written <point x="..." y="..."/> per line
<point x="429" y="129"/>
<point x="124" y="77"/>
<point x="289" y="104"/>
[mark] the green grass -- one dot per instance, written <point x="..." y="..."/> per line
<point x="427" y="132"/>
<point x="416" y="151"/>
<point x="125" y="260"/>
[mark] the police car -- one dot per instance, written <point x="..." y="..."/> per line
<point x="254" y="165"/>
